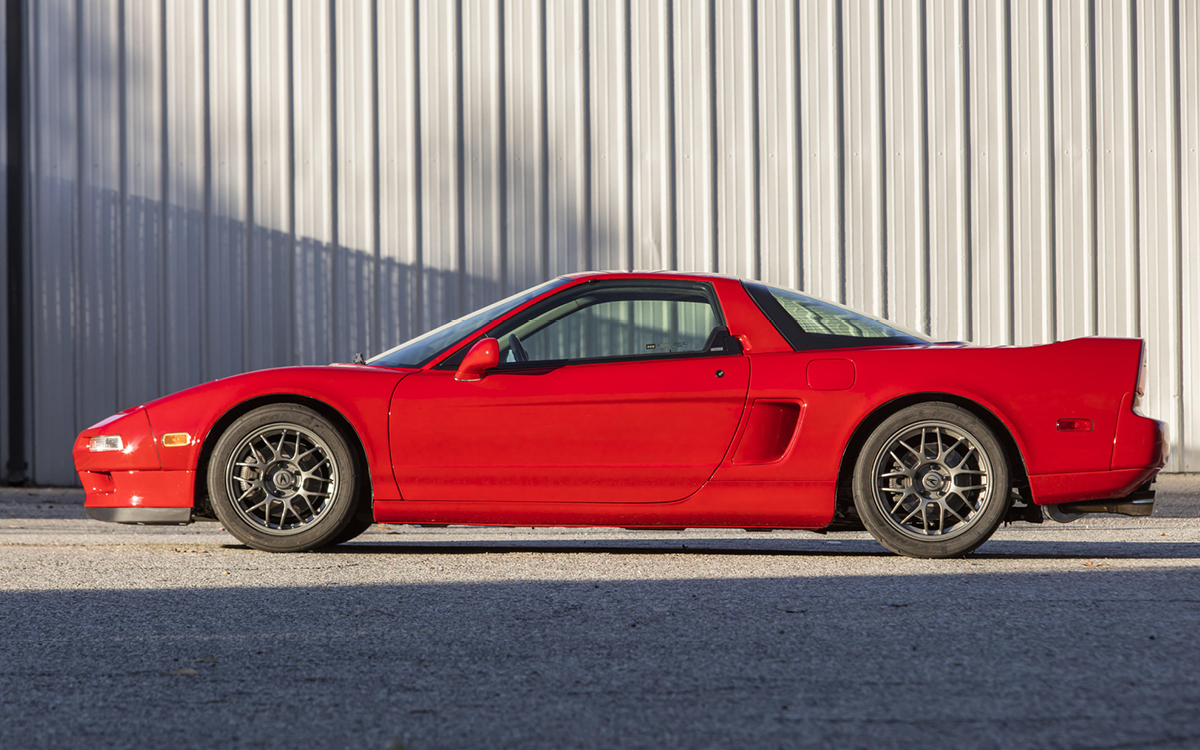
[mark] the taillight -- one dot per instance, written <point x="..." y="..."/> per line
<point x="1140" y="391"/>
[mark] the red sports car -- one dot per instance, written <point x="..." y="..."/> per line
<point x="646" y="400"/>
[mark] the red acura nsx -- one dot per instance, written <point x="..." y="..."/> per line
<point x="646" y="400"/>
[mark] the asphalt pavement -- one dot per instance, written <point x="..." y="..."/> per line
<point x="1049" y="636"/>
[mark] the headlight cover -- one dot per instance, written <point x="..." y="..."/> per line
<point x="104" y="443"/>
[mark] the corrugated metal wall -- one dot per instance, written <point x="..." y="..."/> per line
<point x="226" y="185"/>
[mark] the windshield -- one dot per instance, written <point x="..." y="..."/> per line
<point x="420" y="351"/>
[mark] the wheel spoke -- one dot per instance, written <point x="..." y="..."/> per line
<point x="899" y="503"/>
<point x="964" y="458"/>
<point x="307" y="453"/>
<point x="912" y="450"/>
<point x="942" y="456"/>
<point x="952" y="510"/>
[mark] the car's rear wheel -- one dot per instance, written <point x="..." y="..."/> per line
<point x="931" y="481"/>
<point x="281" y="479"/>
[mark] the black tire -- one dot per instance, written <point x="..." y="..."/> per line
<point x="359" y="523"/>
<point x="282" y="479"/>
<point x="932" y="481"/>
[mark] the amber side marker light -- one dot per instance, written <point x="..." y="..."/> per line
<point x="1074" y="425"/>
<point x="176" y="439"/>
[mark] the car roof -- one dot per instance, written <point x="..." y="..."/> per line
<point x="649" y="274"/>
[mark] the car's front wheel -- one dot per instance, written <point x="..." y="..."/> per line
<point x="931" y="481"/>
<point x="281" y="479"/>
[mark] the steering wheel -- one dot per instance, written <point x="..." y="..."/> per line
<point x="518" y="351"/>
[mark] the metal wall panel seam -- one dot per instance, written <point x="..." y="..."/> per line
<point x="292" y="246"/>
<point x="374" y="342"/>
<point x="967" y="298"/>
<point x="670" y="233"/>
<point x="77" y="308"/>
<point x="119" y="310"/>
<point x="1189" y="103"/>
<point x="418" y="160"/>
<point x="5" y="471"/>
<point x="754" y="198"/>
<point x="926" y="278"/>
<point x="840" y="138"/>
<point x="164" y="160"/>
<point x="879" y="192"/>
<point x="500" y="147"/>
<point x="1010" y="198"/>
<point x="714" y="217"/>
<point x="248" y="231"/>
<point x="33" y="280"/>
<point x="797" y="277"/>
<point x="627" y="202"/>
<point x="1093" y="253"/>
<point x="1181" y="436"/>
<point x="1048" y="177"/>
<point x="584" y="113"/>
<point x="337" y="256"/>
<point x="457" y="117"/>
<point x="1134" y="259"/>
<point x="544" y="132"/>
<point x="206" y="231"/>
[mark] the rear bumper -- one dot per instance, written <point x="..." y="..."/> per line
<point x="1139" y="452"/>
<point x="1052" y="489"/>
<point x="143" y="515"/>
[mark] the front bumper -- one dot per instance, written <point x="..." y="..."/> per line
<point x="149" y="497"/>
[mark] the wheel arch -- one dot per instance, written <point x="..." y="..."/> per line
<point x="335" y="417"/>
<point x="1012" y="452"/>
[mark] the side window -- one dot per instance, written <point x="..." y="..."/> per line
<point x="629" y="320"/>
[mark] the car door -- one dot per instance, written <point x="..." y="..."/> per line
<point x="617" y="392"/>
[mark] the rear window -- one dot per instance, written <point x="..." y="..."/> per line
<point x="809" y="323"/>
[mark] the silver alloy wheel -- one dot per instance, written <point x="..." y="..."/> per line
<point x="932" y="479"/>
<point x="281" y="478"/>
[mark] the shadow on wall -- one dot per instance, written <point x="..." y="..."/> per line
<point x="214" y="231"/>
<point x="195" y="311"/>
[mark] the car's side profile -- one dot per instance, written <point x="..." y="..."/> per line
<point x="646" y="400"/>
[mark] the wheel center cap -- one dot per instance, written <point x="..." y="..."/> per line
<point x="283" y="480"/>
<point x="932" y="481"/>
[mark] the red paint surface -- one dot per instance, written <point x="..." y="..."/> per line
<point x="659" y="442"/>
<point x="830" y="374"/>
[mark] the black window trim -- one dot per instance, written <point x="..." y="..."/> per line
<point x="801" y="341"/>
<point x="578" y="290"/>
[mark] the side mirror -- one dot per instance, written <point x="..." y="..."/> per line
<point x="720" y="341"/>
<point x="481" y="357"/>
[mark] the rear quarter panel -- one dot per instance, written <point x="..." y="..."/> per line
<point x="1027" y="388"/>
